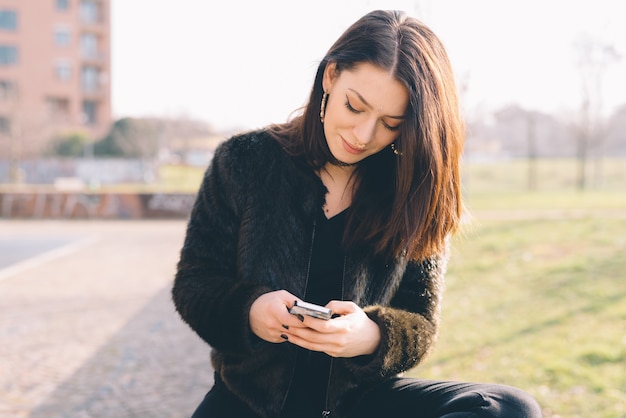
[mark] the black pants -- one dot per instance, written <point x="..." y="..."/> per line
<point x="402" y="398"/>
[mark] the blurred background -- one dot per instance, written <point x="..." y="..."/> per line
<point x="97" y="93"/>
<point x="111" y="110"/>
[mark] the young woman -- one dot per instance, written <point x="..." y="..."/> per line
<point x="349" y="206"/>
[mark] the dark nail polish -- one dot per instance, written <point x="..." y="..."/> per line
<point x="286" y="326"/>
<point x="284" y="337"/>
<point x="300" y="317"/>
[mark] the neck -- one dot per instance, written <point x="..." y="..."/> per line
<point x="339" y="173"/>
<point x="338" y="182"/>
<point x="338" y="163"/>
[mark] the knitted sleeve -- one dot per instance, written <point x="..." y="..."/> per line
<point x="409" y="325"/>
<point x="207" y="292"/>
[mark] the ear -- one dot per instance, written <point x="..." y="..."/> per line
<point x="330" y="75"/>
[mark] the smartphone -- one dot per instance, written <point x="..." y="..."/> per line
<point x="310" y="309"/>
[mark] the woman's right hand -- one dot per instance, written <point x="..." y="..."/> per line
<point x="269" y="315"/>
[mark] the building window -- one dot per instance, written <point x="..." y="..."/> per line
<point x="90" y="79"/>
<point x="63" y="70"/>
<point x="90" y="112"/>
<point x="62" y="36"/>
<point x="5" y="125"/>
<point x="8" y="20"/>
<point x="58" y="108"/>
<point x="90" y="11"/>
<point x="89" y="45"/>
<point x="8" y="55"/>
<point x="62" y="4"/>
<point x="8" y="90"/>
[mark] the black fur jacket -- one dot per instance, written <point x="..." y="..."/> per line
<point x="250" y="233"/>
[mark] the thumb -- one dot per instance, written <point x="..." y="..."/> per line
<point x="339" y="307"/>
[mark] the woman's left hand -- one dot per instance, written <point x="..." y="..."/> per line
<point x="350" y="334"/>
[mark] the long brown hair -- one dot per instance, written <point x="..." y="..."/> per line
<point x="405" y="203"/>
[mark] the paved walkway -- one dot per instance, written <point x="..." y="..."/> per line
<point x="87" y="328"/>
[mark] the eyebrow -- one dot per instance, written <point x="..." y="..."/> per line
<point x="366" y="103"/>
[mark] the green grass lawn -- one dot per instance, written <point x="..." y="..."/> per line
<point x="550" y="174"/>
<point x="539" y="304"/>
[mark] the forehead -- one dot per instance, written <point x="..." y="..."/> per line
<point x="379" y="87"/>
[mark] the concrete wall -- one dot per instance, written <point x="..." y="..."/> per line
<point x="82" y="205"/>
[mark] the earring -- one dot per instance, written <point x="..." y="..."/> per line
<point x="323" y="107"/>
<point x="395" y="151"/>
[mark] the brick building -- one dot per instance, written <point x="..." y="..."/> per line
<point x="54" y="71"/>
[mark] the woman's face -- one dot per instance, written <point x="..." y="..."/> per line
<point x="365" y="109"/>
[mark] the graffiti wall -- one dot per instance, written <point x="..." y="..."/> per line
<point x="77" y="205"/>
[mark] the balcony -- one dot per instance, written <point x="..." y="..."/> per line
<point x="93" y="58"/>
<point x="92" y="13"/>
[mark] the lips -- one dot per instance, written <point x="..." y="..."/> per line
<point x="351" y="149"/>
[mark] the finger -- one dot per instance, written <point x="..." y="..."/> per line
<point x="278" y="337"/>
<point x="340" y="307"/>
<point x="304" y="343"/>
<point x="325" y="347"/>
<point x="292" y="326"/>
<point x="289" y="298"/>
<point x="292" y="320"/>
<point x="318" y="325"/>
<point x="312" y="335"/>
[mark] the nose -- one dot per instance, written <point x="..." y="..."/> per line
<point x="364" y="131"/>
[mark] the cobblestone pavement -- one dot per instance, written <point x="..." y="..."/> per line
<point x="87" y="329"/>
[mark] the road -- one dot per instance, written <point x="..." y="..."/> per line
<point x="87" y="327"/>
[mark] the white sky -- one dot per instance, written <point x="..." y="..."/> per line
<point x="247" y="63"/>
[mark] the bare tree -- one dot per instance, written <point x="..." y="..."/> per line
<point x="594" y="57"/>
<point x="519" y="128"/>
<point x="531" y="142"/>
<point x="25" y="131"/>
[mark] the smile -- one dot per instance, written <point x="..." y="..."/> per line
<point x="352" y="149"/>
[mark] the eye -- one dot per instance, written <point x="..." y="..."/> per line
<point x="350" y="108"/>
<point x="391" y="128"/>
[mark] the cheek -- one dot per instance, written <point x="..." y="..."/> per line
<point x="385" y="137"/>
<point x="334" y="112"/>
